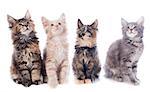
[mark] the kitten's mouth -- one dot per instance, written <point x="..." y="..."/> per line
<point x="131" y="33"/>
<point x="26" y="32"/>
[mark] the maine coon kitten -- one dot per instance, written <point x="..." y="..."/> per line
<point x="26" y="58"/>
<point x="86" y="65"/>
<point x="123" y="55"/>
<point x="56" y="51"/>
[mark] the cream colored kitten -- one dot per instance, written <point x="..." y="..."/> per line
<point x="56" y="51"/>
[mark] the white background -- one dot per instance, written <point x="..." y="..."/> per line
<point x="108" y="13"/>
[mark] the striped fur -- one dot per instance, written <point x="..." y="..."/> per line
<point x="26" y="58"/>
<point x="86" y="65"/>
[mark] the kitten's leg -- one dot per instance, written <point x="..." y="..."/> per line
<point x="36" y="72"/>
<point x="15" y="75"/>
<point x="51" y="70"/>
<point x="26" y="77"/>
<point x="92" y="71"/>
<point x="134" y="67"/>
<point x="63" y="72"/>
<point x="133" y="79"/>
<point x="25" y="74"/>
<point x="118" y="74"/>
<point x="43" y="67"/>
<point x="132" y="76"/>
<point x="108" y="72"/>
<point x="78" y="71"/>
<point x="129" y="70"/>
<point x="14" y="72"/>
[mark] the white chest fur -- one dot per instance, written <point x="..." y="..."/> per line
<point x="137" y="53"/>
<point x="58" y="49"/>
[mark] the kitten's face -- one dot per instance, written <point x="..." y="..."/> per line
<point x="133" y="29"/>
<point x="87" y="32"/>
<point x="55" y="27"/>
<point x="24" y="26"/>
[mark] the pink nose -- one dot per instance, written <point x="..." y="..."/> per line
<point x="56" y="25"/>
<point x="131" y="30"/>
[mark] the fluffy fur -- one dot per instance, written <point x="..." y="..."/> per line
<point x="26" y="58"/>
<point x="123" y="55"/>
<point x="56" y="51"/>
<point x="86" y="65"/>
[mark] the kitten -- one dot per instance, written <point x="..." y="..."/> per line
<point x="26" y="58"/>
<point x="123" y="55"/>
<point x="56" y="51"/>
<point x="86" y="65"/>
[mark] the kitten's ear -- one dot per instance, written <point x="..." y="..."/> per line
<point x="62" y="17"/>
<point x="27" y="15"/>
<point x="140" y="21"/>
<point x="45" y="21"/>
<point x="94" y="24"/>
<point x="124" y="22"/>
<point x="80" y="24"/>
<point x="11" y="21"/>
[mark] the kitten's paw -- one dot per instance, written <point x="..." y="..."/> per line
<point x="53" y="84"/>
<point x="37" y="82"/>
<point x="18" y="81"/>
<point x="119" y="78"/>
<point x="79" y="81"/>
<point x="45" y="79"/>
<point x="88" y="81"/>
<point x="136" y="82"/>
<point x="27" y="83"/>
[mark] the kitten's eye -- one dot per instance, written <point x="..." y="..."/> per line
<point x="59" y="23"/>
<point x="52" y="24"/>
<point x="128" y="27"/>
<point x="27" y="22"/>
<point x="20" y="24"/>
<point x="134" y="27"/>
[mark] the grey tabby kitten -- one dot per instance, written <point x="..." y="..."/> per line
<point x="123" y="55"/>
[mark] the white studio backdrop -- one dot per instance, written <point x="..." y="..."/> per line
<point x="108" y="13"/>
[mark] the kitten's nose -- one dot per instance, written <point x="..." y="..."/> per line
<point x="83" y="34"/>
<point x="56" y="25"/>
<point x="131" y="30"/>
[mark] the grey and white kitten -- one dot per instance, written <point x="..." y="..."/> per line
<point x="123" y="55"/>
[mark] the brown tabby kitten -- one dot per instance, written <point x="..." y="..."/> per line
<point x="86" y="65"/>
<point x="26" y="58"/>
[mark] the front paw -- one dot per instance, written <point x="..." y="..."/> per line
<point x="37" y="82"/>
<point x="26" y="83"/>
<point x="88" y="81"/>
<point x="136" y="81"/>
<point x="119" y="78"/>
<point x="18" y="81"/>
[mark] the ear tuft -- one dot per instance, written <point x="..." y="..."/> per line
<point x="94" y="24"/>
<point x="80" y="24"/>
<point x="45" y="21"/>
<point x="124" y="22"/>
<point x="63" y="17"/>
<point x="27" y="15"/>
<point x="140" y="21"/>
<point x="11" y="21"/>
